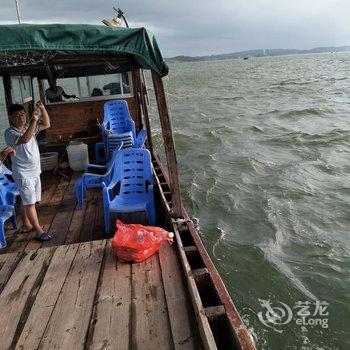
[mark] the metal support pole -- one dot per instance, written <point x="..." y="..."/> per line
<point x="18" y="13"/>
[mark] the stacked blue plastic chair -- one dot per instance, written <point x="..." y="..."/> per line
<point x="8" y="191"/>
<point x="130" y="192"/>
<point x="4" y="201"/>
<point x="140" y="139"/>
<point x="117" y="127"/>
<point x="93" y="177"/>
<point x="6" y="211"/>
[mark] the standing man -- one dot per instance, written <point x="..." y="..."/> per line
<point x="26" y="162"/>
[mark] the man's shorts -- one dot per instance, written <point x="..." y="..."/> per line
<point x="29" y="190"/>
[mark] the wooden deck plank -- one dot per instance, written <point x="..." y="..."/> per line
<point x="73" y="234"/>
<point x="18" y="241"/>
<point x="149" y="319"/>
<point x="8" y="263"/>
<point x="19" y="293"/>
<point x="69" y="323"/>
<point x="88" y="226"/>
<point x="48" y="212"/>
<point x="60" y="223"/>
<point x="99" y="232"/>
<point x="110" y="323"/>
<point x="49" y="185"/>
<point x="46" y="299"/>
<point x="185" y="336"/>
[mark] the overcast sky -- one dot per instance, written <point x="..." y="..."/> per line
<point x="206" y="27"/>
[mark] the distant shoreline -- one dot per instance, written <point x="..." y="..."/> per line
<point x="258" y="53"/>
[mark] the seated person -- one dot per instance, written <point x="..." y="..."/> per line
<point x="54" y="93"/>
<point x="96" y="92"/>
<point x="114" y="88"/>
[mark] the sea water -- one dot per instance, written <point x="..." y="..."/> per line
<point x="263" y="148"/>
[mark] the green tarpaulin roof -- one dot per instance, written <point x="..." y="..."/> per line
<point x="84" y="38"/>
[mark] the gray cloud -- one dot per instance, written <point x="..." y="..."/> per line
<point x="207" y="27"/>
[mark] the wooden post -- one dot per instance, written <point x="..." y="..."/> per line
<point x="145" y="112"/>
<point x="168" y="144"/>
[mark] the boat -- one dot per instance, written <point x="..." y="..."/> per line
<point x="71" y="292"/>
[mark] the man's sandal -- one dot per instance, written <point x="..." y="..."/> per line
<point x="43" y="237"/>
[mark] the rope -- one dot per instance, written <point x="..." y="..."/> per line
<point x="24" y="58"/>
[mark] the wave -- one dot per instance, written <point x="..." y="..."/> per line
<point x="256" y="128"/>
<point x="302" y="138"/>
<point x="274" y="248"/>
<point x="228" y="98"/>
<point x="292" y="82"/>
<point x="306" y="112"/>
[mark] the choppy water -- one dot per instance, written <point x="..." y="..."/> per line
<point x="264" y="154"/>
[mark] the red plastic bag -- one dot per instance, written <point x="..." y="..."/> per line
<point x="136" y="243"/>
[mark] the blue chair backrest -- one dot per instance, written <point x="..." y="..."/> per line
<point x="4" y="181"/>
<point x="133" y="170"/>
<point x="118" y="118"/>
<point x="3" y="200"/>
<point x="5" y="170"/>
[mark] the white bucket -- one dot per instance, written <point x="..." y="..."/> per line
<point x="48" y="160"/>
<point x="78" y="155"/>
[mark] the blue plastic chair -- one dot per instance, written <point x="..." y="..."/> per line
<point x="93" y="177"/>
<point x="118" y="126"/>
<point x="6" y="211"/>
<point x="8" y="193"/>
<point x="8" y="199"/>
<point x="140" y="139"/>
<point x="131" y="188"/>
<point x="5" y="169"/>
<point x="10" y="190"/>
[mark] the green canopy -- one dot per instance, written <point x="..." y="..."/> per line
<point x="85" y="39"/>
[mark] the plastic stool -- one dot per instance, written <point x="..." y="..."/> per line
<point x="100" y="157"/>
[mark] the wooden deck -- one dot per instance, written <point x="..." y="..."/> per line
<point x="61" y="217"/>
<point x="71" y="293"/>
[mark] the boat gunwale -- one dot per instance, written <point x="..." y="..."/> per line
<point x="242" y="336"/>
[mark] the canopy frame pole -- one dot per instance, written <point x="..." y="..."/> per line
<point x="137" y="89"/>
<point x="18" y="12"/>
<point x="7" y="90"/>
<point x="41" y="90"/>
<point x="145" y="111"/>
<point x="168" y="144"/>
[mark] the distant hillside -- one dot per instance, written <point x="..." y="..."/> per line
<point x="257" y="53"/>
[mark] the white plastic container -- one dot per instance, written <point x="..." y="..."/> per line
<point x="48" y="160"/>
<point x="78" y="155"/>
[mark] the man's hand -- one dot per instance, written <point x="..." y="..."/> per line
<point x="43" y="115"/>
<point x="36" y="116"/>
<point x="40" y="105"/>
<point x="8" y="151"/>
